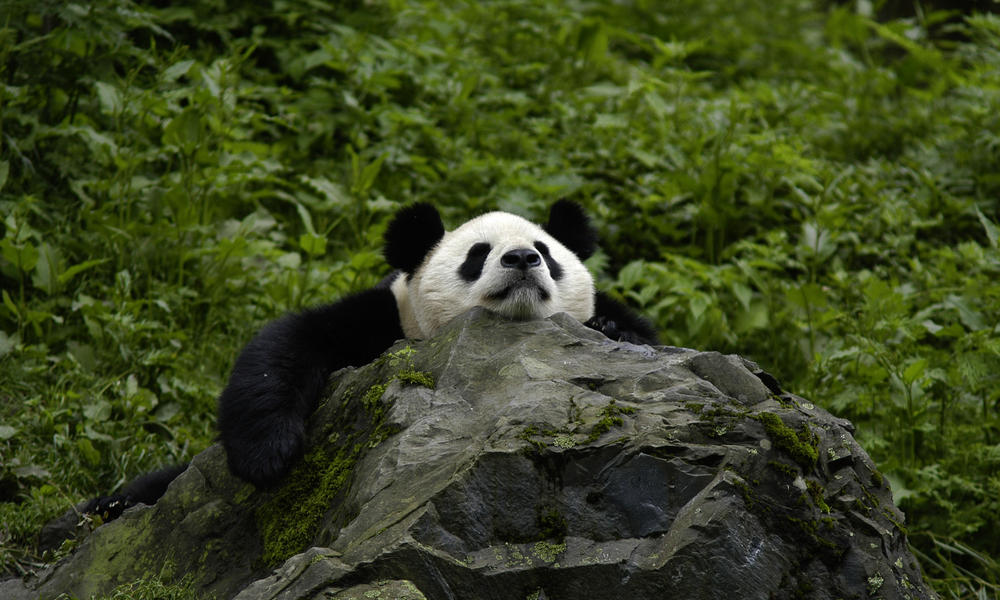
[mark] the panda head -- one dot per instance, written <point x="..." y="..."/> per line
<point x="498" y="261"/>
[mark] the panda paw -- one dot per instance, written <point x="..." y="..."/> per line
<point x="108" y="508"/>
<point x="609" y="327"/>
<point x="265" y="460"/>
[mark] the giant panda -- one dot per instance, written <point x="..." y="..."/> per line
<point x="498" y="261"/>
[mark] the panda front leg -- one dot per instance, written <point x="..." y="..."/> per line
<point x="146" y="489"/>
<point x="277" y="380"/>
<point x="621" y="323"/>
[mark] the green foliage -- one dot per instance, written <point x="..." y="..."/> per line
<point x="148" y="589"/>
<point x="795" y="182"/>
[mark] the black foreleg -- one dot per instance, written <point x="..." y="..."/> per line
<point x="145" y="489"/>
<point x="279" y="377"/>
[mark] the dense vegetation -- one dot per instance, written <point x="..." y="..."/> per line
<point x="798" y="183"/>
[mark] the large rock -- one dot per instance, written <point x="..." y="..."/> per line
<point x="530" y="460"/>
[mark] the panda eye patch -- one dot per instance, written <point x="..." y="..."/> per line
<point x="472" y="266"/>
<point x="555" y="269"/>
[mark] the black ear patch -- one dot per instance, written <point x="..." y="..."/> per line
<point x="411" y="235"/>
<point x="571" y="226"/>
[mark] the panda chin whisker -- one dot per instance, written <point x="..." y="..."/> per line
<point x="520" y="301"/>
<point x="527" y="292"/>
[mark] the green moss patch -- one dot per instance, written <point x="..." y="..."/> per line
<point x="610" y="417"/>
<point x="548" y="552"/>
<point x="816" y="492"/>
<point x="802" y="448"/>
<point x="552" y="524"/>
<point x="414" y="377"/>
<point x="289" y="520"/>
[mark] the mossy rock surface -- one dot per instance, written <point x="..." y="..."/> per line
<point x="534" y="459"/>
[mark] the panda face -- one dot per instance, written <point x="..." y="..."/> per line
<point x="498" y="261"/>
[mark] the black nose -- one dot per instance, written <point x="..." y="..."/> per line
<point x="523" y="259"/>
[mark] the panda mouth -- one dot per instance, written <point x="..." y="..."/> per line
<point x="520" y="291"/>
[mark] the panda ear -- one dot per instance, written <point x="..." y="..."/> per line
<point x="411" y="235"/>
<point x="571" y="226"/>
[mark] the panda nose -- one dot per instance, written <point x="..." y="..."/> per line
<point x="522" y="259"/>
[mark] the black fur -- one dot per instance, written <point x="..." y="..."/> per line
<point x="620" y="323"/>
<point x="411" y="235"/>
<point x="277" y="380"/>
<point x="280" y="375"/>
<point x="146" y="489"/>
<point x="472" y="267"/>
<point x="555" y="269"/>
<point x="571" y="226"/>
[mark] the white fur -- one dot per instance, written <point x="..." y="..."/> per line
<point x="435" y="293"/>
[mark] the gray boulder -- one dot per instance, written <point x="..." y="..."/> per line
<point x="529" y="460"/>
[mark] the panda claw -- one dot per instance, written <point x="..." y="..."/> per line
<point x="606" y="326"/>
<point x="108" y="508"/>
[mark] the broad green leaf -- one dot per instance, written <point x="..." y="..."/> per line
<point x="594" y="41"/>
<point x="314" y="245"/>
<point x="24" y="256"/>
<point x="7" y="343"/>
<point x="992" y="231"/>
<point x="87" y="450"/>
<point x="808" y="296"/>
<point x="756" y="317"/>
<point x="931" y="326"/>
<point x="98" y="411"/>
<point x="816" y="241"/>
<point x="970" y="317"/>
<point x="605" y="121"/>
<point x="630" y="274"/>
<point x="306" y="217"/>
<point x="184" y="130"/>
<point x="84" y="354"/>
<point x="73" y="271"/>
<point x="109" y="97"/>
<point x="9" y="303"/>
<point x="96" y="436"/>
<point x="365" y="179"/>
<point x="333" y="194"/>
<point x="131" y="385"/>
<point x="698" y="304"/>
<point x="177" y="70"/>
<point x="743" y="293"/>
<point x="914" y="371"/>
<point x="34" y="472"/>
<point x="45" y="276"/>
<point x="166" y="412"/>
<point x="290" y="260"/>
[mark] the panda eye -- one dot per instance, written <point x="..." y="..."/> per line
<point x="472" y="267"/>
<point x="555" y="269"/>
